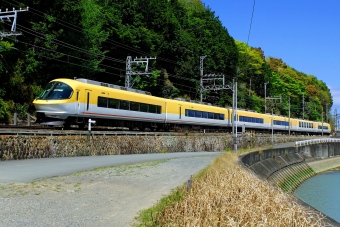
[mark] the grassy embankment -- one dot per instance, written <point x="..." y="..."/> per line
<point x="225" y="194"/>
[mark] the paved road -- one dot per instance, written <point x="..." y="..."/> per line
<point x="24" y="171"/>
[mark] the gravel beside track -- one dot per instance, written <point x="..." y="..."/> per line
<point x="110" y="196"/>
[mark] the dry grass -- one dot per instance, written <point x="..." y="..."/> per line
<point x="228" y="195"/>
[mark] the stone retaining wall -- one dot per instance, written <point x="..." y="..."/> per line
<point x="26" y="147"/>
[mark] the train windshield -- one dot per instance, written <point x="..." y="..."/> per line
<point x="56" y="90"/>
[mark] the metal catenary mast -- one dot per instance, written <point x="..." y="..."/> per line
<point x="6" y="16"/>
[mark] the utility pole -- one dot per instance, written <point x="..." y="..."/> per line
<point x="212" y="82"/>
<point x="232" y="118"/>
<point x="326" y="112"/>
<point x="7" y="15"/>
<point x="129" y="72"/>
<point x="272" y="126"/>
<point x="273" y="98"/>
<point x="289" y="116"/>
<point x="322" y="120"/>
<point x="336" y="121"/>
<point x="303" y="105"/>
<point x="201" y="81"/>
<point x="236" y="118"/>
<point x="265" y="97"/>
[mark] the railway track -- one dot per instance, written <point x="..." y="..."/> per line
<point x="58" y="131"/>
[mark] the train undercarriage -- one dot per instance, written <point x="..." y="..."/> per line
<point x="82" y="124"/>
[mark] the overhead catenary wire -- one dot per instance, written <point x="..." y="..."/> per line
<point x="42" y="36"/>
<point x="78" y="29"/>
<point x="67" y="62"/>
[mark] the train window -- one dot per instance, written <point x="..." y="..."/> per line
<point x="252" y="119"/>
<point x="144" y="107"/>
<point x="283" y="123"/>
<point x="152" y="109"/>
<point x="204" y="114"/>
<point x="134" y="106"/>
<point x="198" y="114"/>
<point x="102" y="102"/>
<point x="221" y="116"/>
<point x="216" y="116"/>
<point x="56" y="90"/>
<point x="114" y="103"/>
<point x="211" y="115"/>
<point x="124" y="105"/>
<point x="191" y="113"/>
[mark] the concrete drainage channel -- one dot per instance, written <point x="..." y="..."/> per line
<point x="287" y="167"/>
<point x="287" y="171"/>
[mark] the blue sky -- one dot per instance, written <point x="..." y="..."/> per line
<point x="305" y="34"/>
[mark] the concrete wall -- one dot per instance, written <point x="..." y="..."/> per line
<point x="288" y="167"/>
<point x="310" y="153"/>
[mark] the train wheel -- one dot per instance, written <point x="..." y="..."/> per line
<point x="67" y="124"/>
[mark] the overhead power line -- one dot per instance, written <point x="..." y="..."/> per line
<point x="78" y="29"/>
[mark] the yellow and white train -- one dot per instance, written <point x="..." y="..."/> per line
<point x="72" y="102"/>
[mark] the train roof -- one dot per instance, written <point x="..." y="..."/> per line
<point x="93" y="82"/>
<point x="87" y="81"/>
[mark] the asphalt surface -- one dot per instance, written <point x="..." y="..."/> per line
<point x="29" y="170"/>
<point x="25" y="171"/>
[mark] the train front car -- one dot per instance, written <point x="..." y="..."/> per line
<point x="56" y="102"/>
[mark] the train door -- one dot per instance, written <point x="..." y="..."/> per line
<point x="180" y="112"/>
<point x="77" y="103"/>
<point x="87" y="105"/>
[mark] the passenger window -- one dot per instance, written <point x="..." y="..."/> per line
<point x="144" y="107"/>
<point x="198" y="114"/>
<point x="134" y="106"/>
<point x="102" y="102"/>
<point x="114" y="103"/>
<point x="124" y="105"/>
<point x="204" y="114"/>
<point x="152" y="109"/>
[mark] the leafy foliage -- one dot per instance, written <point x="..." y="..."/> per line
<point x="92" y="39"/>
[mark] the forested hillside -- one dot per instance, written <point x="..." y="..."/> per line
<point x="92" y="39"/>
